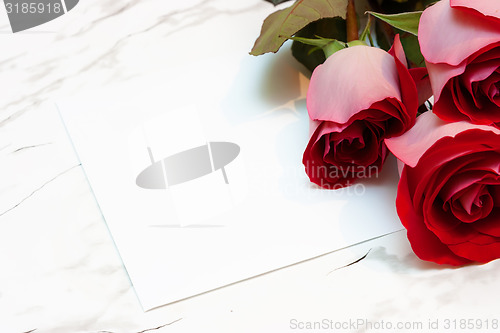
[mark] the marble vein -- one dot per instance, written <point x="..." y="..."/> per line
<point x="60" y="269"/>
<point x="149" y="329"/>
<point x="190" y="17"/>
<point x="49" y="68"/>
<point x="157" y="328"/>
<point x="46" y="74"/>
<point x="38" y="189"/>
<point x="30" y="147"/>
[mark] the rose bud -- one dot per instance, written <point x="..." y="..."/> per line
<point x="448" y="195"/>
<point x="460" y="41"/>
<point x="358" y="97"/>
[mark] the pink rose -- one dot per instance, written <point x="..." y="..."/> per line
<point x="358" y="97"/>
<point x="449" y="193"/>
<point x="460" y="40"/>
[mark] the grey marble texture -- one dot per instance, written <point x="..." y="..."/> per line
<point x="59" y="269"/>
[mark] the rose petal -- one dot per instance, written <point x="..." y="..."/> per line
<point x="428" y="129"/>
<point x="441" y="74"/>
<point x="447" y="159"/>
<point x="446" y="109"/>
<point x="354" y="132"/>
<point x="482" y="239"/>
<point x="409" y="93"/>
<point x="439" y="220"/>
<point x="423" y="83"/>
<point x="476" y="252"/>
<point x="330" y="170"/>
<point x="471" y="204"/>
<point x="446" y="226"/>
<point x="389" y="115"/>
<point x="479" y="71"/>
<point x="450" y="35"/>
<point x="397" y="51"/>
<point x="489" y="88"/>
<point x="489" y="225"/>
<point x="439" y="217"/>
<point x="481" y="169"/>
<point x="440" y="164"/>
<point x="464" y="106"/>
<point x="484" y="7"/>
<point x="424" y="243"/>
<point x="474" y="76"/>
<point x="365" y="74"/>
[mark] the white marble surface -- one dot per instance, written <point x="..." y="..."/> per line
<point x="59" y="269"/>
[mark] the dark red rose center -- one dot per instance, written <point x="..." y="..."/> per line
<point x="489" y="88"/>
<point x="462" y="197"/>
<point x="357" y="145"/>
<point x="475" y="94"/>
<point x="471" y="204"/>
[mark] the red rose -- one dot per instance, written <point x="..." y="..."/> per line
<point x="449" y="193"/>
<point x="460" y="41"/>
<point x="358" y="97"/>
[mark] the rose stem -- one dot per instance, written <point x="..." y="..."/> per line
<point x="352" y="21"/>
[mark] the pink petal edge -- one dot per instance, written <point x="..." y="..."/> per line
<point x="450" y="35"/>
<point x="350" y="81"/>
<point x="398" y="51"/>
<point x="428" y="129"/>
<point x="485" y="7"/>
<point x="440" y="74"/>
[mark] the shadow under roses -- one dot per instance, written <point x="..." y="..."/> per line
<point x="270" y="82"/>
<point x="446" y="288"/>
<point x="449" y="284"/>
<point x="412" y="277"/>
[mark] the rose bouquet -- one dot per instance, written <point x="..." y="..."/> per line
<point x="369" y="96"/>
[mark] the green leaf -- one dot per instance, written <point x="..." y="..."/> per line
<point x="333" y="47"/>
<point x="404" y="21"/>
<point x="381" y="37"/>
<point x="356" y="43"/>
<point x="283" y="24"/>
<point x="328" y="45"/>
<point x="312" y="56"/>
<point x="412" y="50"/>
